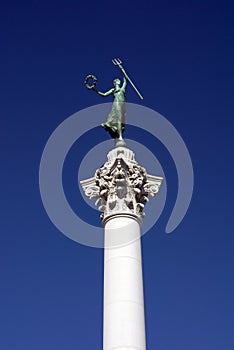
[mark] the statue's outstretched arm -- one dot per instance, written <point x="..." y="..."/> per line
<point x="104" y="94"/>
<point x="124" y="83"/>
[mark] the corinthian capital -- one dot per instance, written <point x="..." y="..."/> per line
<point x="121" y="186"/>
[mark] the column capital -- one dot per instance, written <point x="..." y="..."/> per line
<point x="121" y="186"/>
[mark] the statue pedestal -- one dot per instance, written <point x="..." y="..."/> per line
<point x="121" y="189"/>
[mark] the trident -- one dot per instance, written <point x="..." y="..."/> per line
<point x="118" y="62"/>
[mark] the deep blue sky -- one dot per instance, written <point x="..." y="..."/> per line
<point x="180" y="55"/>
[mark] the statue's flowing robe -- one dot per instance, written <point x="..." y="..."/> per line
<point x="117" y="115"/>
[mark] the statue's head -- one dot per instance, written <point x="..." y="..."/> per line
<point x="116" y="82"/>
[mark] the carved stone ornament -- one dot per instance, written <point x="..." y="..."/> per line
<point x="121" y="186"/>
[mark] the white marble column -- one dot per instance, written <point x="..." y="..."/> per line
<point x="124" y="321"/>
<point x="121" y="189"/>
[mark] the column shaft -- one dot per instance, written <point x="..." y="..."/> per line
<point x="124" y="322"/>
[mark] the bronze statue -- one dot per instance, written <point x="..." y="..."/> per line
<point x="116" y="120"/>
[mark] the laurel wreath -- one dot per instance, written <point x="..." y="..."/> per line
<point x="88" y="79"/>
